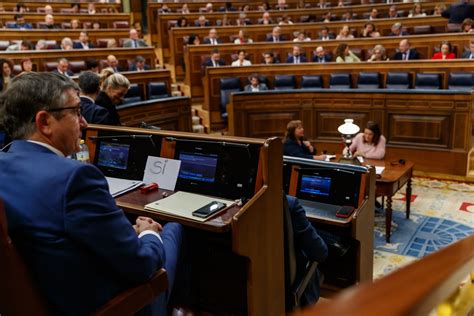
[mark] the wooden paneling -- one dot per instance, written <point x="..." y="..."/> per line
<point x="213" y="74"/>
<point x="437" y="139"/>
<point x="10" y="5"/>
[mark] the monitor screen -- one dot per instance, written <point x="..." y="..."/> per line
<point x="197" y="166"/>
<point x="113" y="155"/>
<point x="315" y="185"/>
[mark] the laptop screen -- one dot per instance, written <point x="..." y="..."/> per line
<point x="198" y="166"/>
<point x="113" y="155"/>
<point x="315" y="185"/>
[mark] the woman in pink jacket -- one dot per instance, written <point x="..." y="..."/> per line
<point x="369" y="144"/>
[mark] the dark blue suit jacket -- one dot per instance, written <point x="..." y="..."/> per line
<point x="456" y="13"/>
<point x="77" y="243"/>
<point x="291" y="59"/>
<point x="77" y="45"/>
<point x="309" y="246"/>
<point x="94" y="113"/>
<point x="291" y="148"/>
<point x="133" y="67"/>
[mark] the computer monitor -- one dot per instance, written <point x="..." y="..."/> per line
<point x="113" y="155"/>
<point x="198" y="166"/>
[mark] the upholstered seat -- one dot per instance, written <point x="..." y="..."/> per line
<point x="340" y="81"/>
<point x="134" y="94"/>
<point x="120" y="25"/>
<point x="461" y="81"/>
<point x="368" y="80"/>
<point x="427" y="81"/>
<point x="157" y="90"/>
<point x="228" y="85"/>
<point x="77" y="66"/>
<point x="398" y="80"/>
<point x="284" y="82"/>
<point x="311" y="82"/>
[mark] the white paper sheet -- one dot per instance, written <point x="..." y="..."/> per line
<point x="120" y="186"/>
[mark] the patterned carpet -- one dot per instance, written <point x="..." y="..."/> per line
<point x="441" y="213"/>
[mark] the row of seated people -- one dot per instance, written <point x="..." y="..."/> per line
<point x="21" y="23"/>
<point x="265" y="6"/>
<point x="82" y="42"/>
<point x="347" y="16"/>
<point x="75" y="8"/>
<point x="73" y="68"/>
<point x="342" y="53"/>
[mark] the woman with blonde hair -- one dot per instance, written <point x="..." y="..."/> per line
<point x="114" y="87"/>
<point x="344" y="33"/>
<point x="296" y="145"/>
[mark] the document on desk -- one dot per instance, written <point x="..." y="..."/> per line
<point x="120" y="186"/>
<point x="379" y="170"/>
<point x="183" y="204"/>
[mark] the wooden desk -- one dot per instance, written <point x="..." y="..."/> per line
<point x="392" y="179"/>
<point x="249" y="238"/>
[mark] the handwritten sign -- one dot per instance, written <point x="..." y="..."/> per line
<point x="163" y="171"/>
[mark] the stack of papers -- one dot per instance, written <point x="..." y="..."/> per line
<point x="120" y="186"/>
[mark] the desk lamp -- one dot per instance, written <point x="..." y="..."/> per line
<point x="348" y="130"/>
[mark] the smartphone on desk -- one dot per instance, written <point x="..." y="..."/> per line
<point x="209" y="209"/>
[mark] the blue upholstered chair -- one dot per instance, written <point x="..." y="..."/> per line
<point x="157" y="90"/>
<point x="427" y="81"/>
<point x="228" y="85"/>
<point x="368" y="80"/>
<point x="311" y="82"/>
<point x="398" y="80"/>
<point x="133" y="94"/>
<point x="340" y="81"/>
<point x="284" y="82"/>
<point x="461" y="81"/>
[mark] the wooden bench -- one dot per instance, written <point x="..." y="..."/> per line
<point x="259" y="32"/>
<point x="211" y="106"/>
<point x="57" y="6"/>
<point x="431" y="128"/>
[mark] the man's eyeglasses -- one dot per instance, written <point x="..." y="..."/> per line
<point x="77" y="108"/>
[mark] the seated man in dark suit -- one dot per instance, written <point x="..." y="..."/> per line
<point x="20" y="23"/>
<point x="89" y="83"/>
<point x="309" y="246"/>
<point x="470" y="53"/>
<point x="84" y="42"/>
<point x="134" y="41"/>
<point x="320" y="55"/>
<point x="276" y="35"/>
<point x="296" y="57"/>
<point x="325" y="35"/>
<point x="456" y="13"/>
<point x="139" y="64"/>
<point x="63" y="68"/>
<point x="215" y="60"/>
<point x="212" y="39"/>
<point x="397" y="30"/>
<point x="405" y="52"/>
<point x="77" y="243"/>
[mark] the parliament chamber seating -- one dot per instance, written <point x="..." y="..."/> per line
<point x="340" y="81"/>
<point x="311" y="82"/>
<point x="134" y="94"/>
<point x="284" y="82"/>
<point x="157" y="90"/>
<point x="461" y="81"/>
<point x="398" y="80"/>
<point x="20" y="295"/>
<point x="227" y="86"/>
<point x="427" y="81"/>
<point x="368" y="80"/>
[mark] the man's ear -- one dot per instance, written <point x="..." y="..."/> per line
<point x="43" y="121"/>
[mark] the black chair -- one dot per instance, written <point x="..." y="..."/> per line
<point x="427" y="81"/>
<point x="461" y="81"/>
<point x="340" y="81"/>
<point x="284" y="82"/>
<point x="228" y="85"/>
<point x="368" y="80"/>
<point x="294" y="288"/>
<point x="157" y="90"/>
<point x="311" y="82"/>
<point x="398" y="80"/>
<point x="134" y="94"/>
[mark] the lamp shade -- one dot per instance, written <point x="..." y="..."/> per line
<point x="348" y="128"/>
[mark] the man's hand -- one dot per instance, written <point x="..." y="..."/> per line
<point x="145" y="223"/>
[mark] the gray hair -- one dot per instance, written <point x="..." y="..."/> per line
<point x="29" y="93"/>
<point x="116" y="81"/>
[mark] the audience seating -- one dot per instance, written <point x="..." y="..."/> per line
<point x="228" y="85"/>
<point x="50" y="66"/>
<point x="422" y="29"/>
<point x="368" y="80"/>
<point x="398" y="80"/>
<point x="284" y="82"/>
<point x="19" y="295"/>
<point x="77" y="66"/>
<point x="461" y="81"/>
<point x="134" y="94"/>
<point x="120" y="25"/>
<point x="311" y="82"/>
<point x="427" y="81"/>
<point x="340" y="81"/>
<point x="4" y="45"/>
<point x="157" y="90"/>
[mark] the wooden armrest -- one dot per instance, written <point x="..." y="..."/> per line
<point x="299" y="289"/>
<point x="132" y="300"/>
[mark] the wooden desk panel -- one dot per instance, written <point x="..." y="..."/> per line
<point x="10" y="5"/>
<point x="255" y="231"/>
<point x="194" y="55"/>
<point x="420" y="135"/>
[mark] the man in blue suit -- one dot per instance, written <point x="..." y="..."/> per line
<point x="296" y="57"/>
<point x="456" y="13"/>
<point x="77" y="243"/>
<point x="89" y="83"/>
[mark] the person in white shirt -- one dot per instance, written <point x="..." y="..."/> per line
<point x="241" y="61"/>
